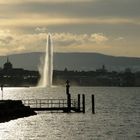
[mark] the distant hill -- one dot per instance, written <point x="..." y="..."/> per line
<point x="73" y="61"/>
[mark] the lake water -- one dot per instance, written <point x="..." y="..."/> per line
<point x="117" y="116"/>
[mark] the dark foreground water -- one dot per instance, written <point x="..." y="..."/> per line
<point x="117" y="116"/>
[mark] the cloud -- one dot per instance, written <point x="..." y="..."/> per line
<point x="5" y="37"/>
<point x="72" y="8"/>
<point x="98" y="37"/>
<point x="46" y="1"/>
<point x="79" y="39"/>
<point x="11" y="43"/>
<point x="41" y="29"/>
<point x="54" y="12"/>
<point x="4" y="32"/>
<point x="69" y="39"/>
<point x="91" y="25"/>
<point x="5" y="41"/>
<point x="37" y="41"/>
<point x="119" y="38"/>
<point x="65" y="21"/>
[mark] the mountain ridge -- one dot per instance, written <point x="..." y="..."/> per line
<point x="74" y="61"/>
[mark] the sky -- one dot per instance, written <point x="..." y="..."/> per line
<point x="104" y="26"/>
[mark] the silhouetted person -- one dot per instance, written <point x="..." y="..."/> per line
<point x="67" y="87"/>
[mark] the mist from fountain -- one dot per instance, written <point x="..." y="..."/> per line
<point x="46" y="70"/>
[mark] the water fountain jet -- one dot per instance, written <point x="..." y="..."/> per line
<point x="46" y="71"/>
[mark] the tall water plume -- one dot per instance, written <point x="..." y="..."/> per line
<point x="46" y="71"/>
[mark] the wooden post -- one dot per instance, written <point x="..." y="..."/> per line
<point x="83" y="97"/>
<point x="2" y="92"/>
<point x="69" y="102"/>
<point x="67" y="87"/>
<point x="79" y="102"/>
<point x="68" y="96"/>
<point x="93" y="104"/>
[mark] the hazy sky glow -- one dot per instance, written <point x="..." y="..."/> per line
<point x="104" y="26"/>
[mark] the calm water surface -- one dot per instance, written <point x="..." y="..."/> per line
<point x="117" y="116"/>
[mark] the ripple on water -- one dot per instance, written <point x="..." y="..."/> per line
<point x="117" y="116"/>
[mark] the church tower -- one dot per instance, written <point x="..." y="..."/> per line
<point x="8" y="65"/>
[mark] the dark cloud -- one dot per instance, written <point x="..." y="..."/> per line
<point x="6" y="40"/>
<point x="99" y="8"/>
<point x="38" y="11"/>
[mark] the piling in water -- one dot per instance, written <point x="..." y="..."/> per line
<point x="83" y="98"/>
<point x="79" y="102"/>
<point x="93" y="104"/>
<point x="69" y="102"/>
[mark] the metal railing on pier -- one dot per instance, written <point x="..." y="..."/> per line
<point x="48" y="103"/>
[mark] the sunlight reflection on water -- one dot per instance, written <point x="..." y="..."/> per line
<point x="117" y="116"/>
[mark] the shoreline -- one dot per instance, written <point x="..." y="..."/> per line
<point x="14" y="109"/>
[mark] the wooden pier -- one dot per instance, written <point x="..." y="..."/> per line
<point x="64" y="105"/>
<point x="55" y="105"/>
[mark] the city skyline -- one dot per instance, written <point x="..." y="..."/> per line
<point x="108" y="27"/>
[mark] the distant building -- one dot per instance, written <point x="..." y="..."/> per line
<point x="65" y="70"/>
<point x="8" y="65"/>
<point x="102" y="70"/>
<point x="10" y="76"/>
